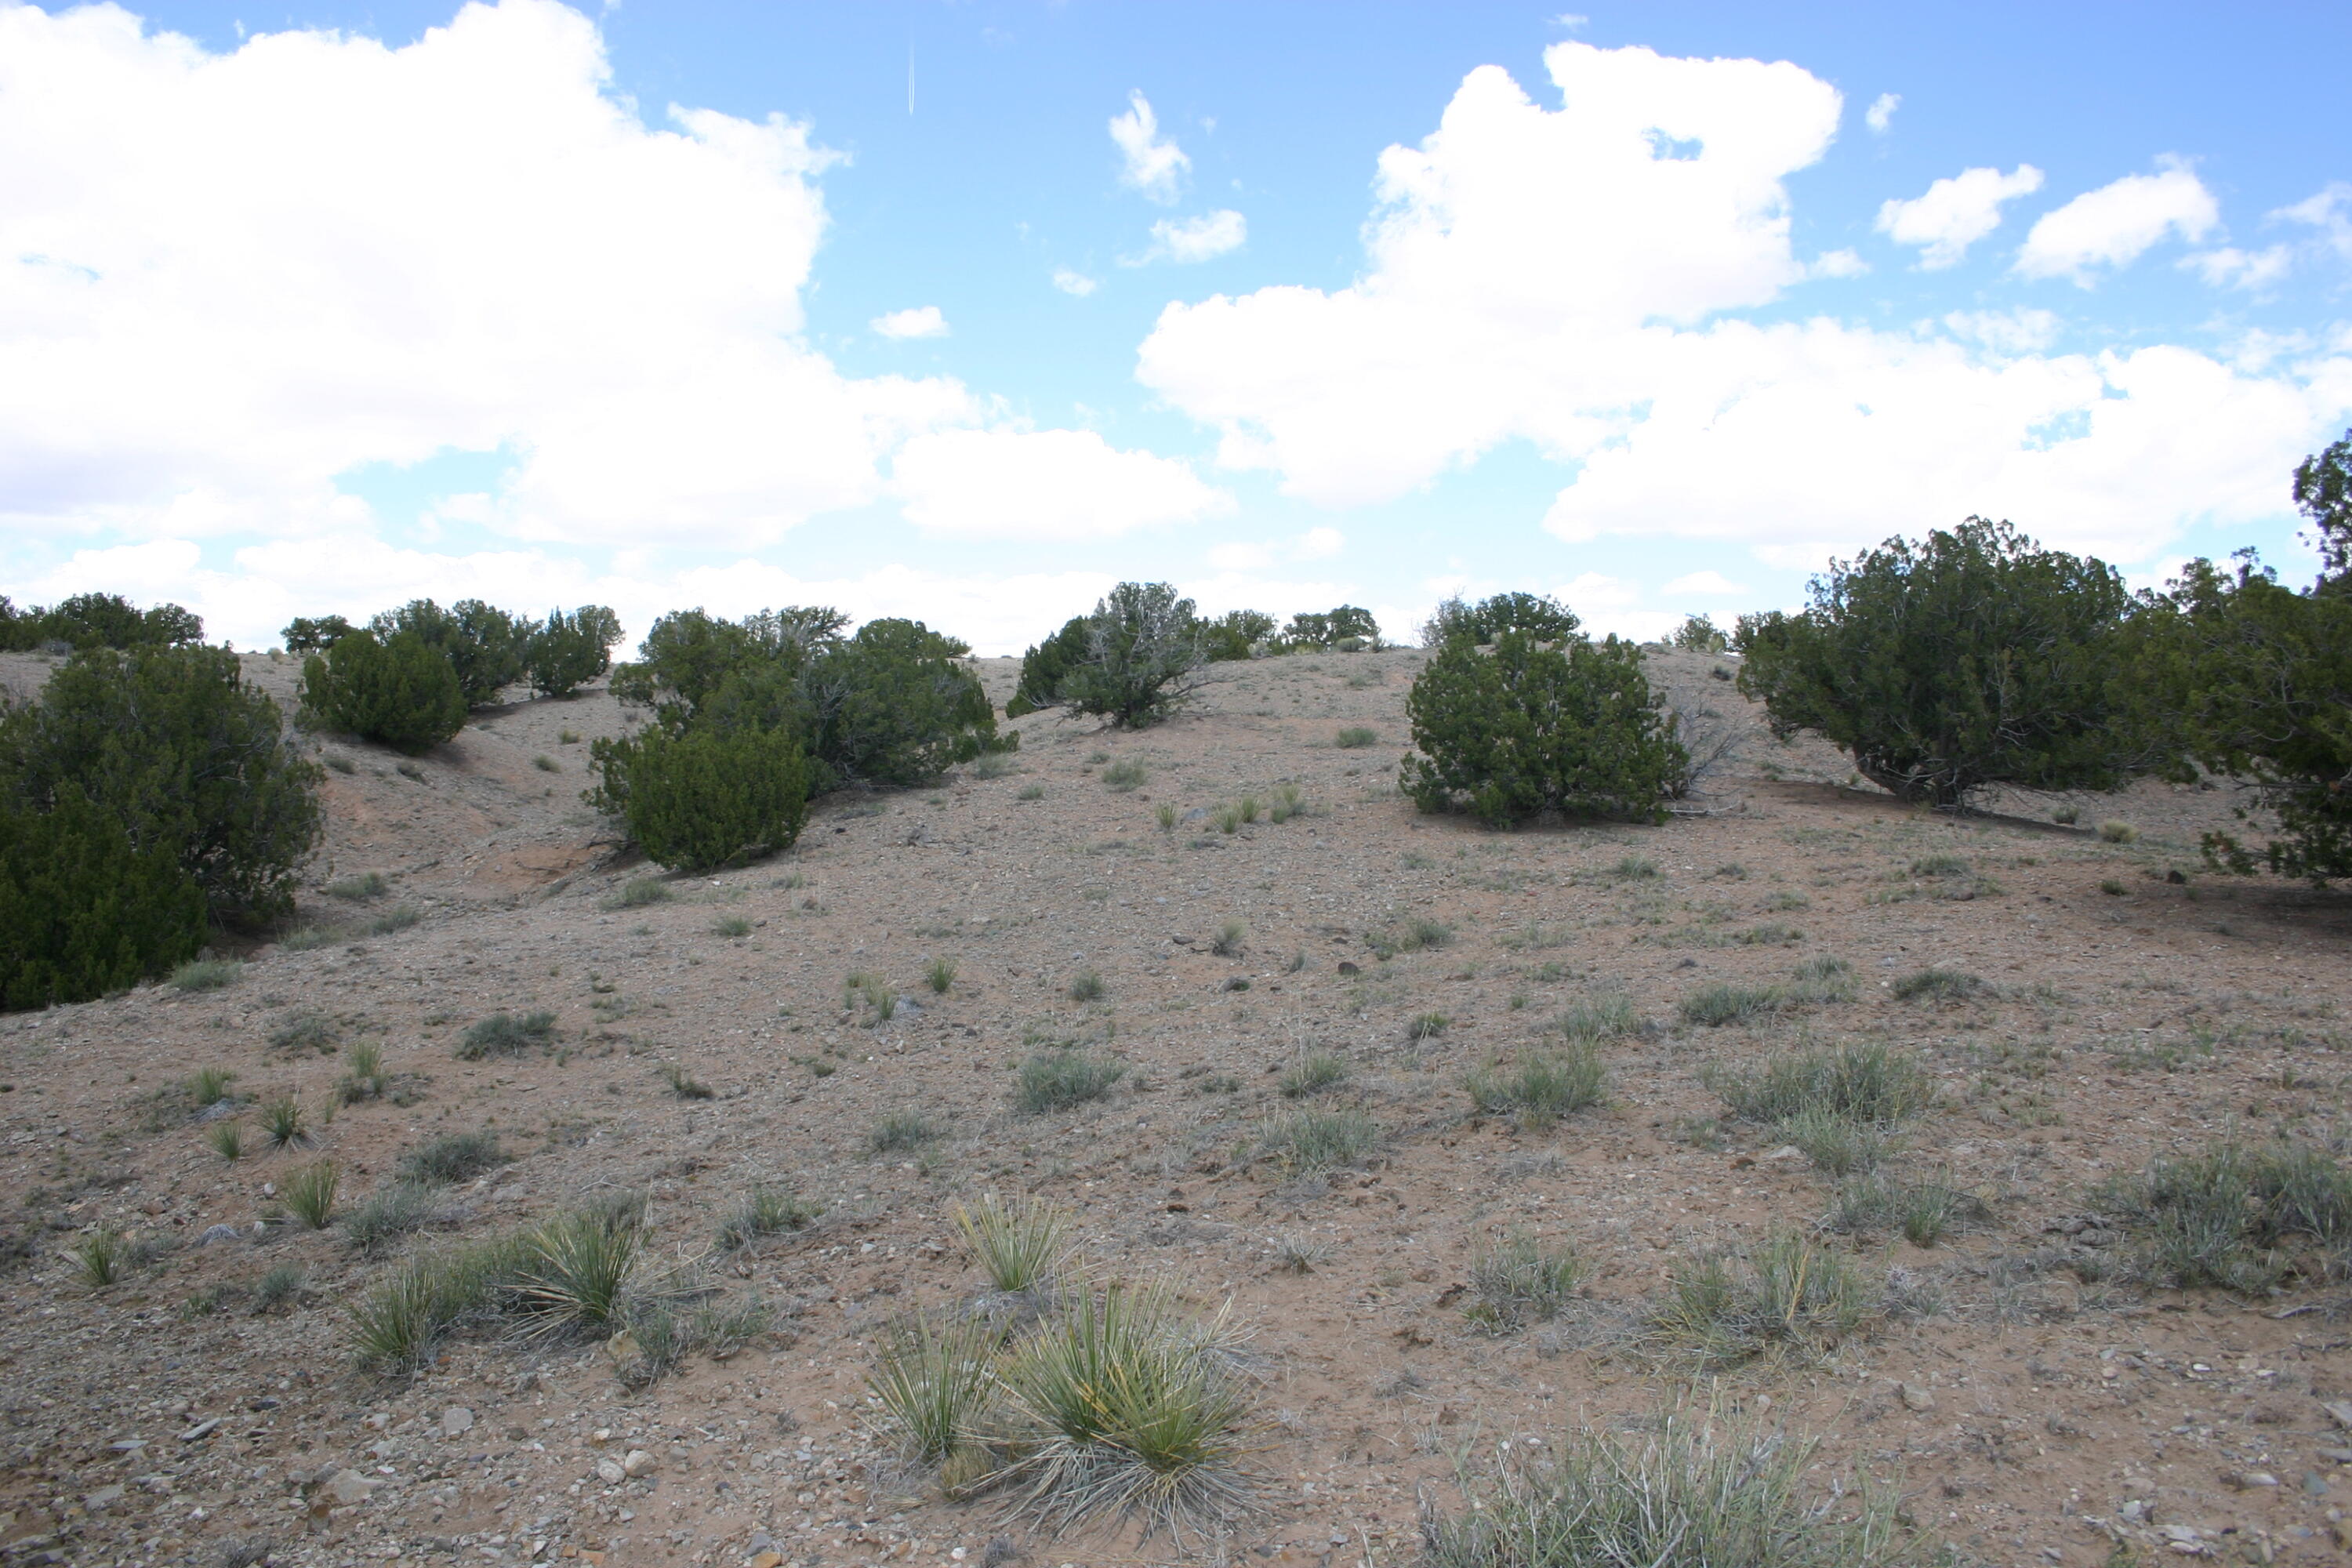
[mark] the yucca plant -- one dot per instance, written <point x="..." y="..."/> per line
<point x="578" y="1270"/>
<point x="209" y="1085"/>
<point x="1021" y="1248"/>
<point x="309" y="1195"/>
<point x="283" y="1123"/>
<point x="933" y="1379"/>
<point x="101" y="1257"/>
<point x="227" y="1139"/>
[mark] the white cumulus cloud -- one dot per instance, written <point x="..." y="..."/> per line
<point x="225" y="278"/>
<point x="1044" y="485"/>
<point x="1202" y="239"/>
<point x="1880" y="115"/>
<point x="1574" y="277"/>
<point x="1712" y="584"/>
<point x="1954" y="212"/>
<point x="920" y="321"/>
<point x="1076" y="284"/>
<point x="2116" y="223"/>
<point x="1148" y="162"/>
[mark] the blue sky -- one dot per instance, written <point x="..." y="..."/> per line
<point x="1656" y="308"/>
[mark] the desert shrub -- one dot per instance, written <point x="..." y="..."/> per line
<point x="1122" y="1408"/>
<point x="1924" y="1212"/>
<point x="359" y="889"/>
<point x="483" y="645"/>
<point x="1308" y="1141"/>
<point x="684" y="1085"/>
<point x="206" y="975"/>
<point x="1086" y="986"/>
<point x="1427" y="1025"/>
<point x="1816" y="981"/>
<point x="1544" y="618"/>
<point x="893" y="705"/>
<point x="638" y="893"/>
<point x="392" y="921"/>
<point x="98" y="620"/>
<point x="189" y="759"/>
<point x="277" y="1286"/>
<point x="1021" y="1247"/>
<point x="1134" y="661"/>
<point x="1602" y="1017"/>
<point x="506" y="1034"/>
<point x="1692" y="1493"/>
<point x="1969" y="660"/>
<point x="1834" y="1141"/>
<point x="900" y="1132"/>
<point x="399" y="692"/>
<point x="1312" y="1074"/>
<point x="566" y="652"/>
<point x="309" y="1195"/>
<point x="1349" y="628"/>
<point x="1237" y="634"/>
<point x="1938" y="985"/>
<point x="2242" y="1218"/>
<point x="762" y="1213"/>
<point x="2117" y="831"/>
<point x="1790" y="1293"/>
<point x="314" y="634"/>
<point x="1063" y="1076"/>
<point x="1227" y="943"/>
<point x="388" y="1215"/>
<point x="305" y="1033"/>
<point x="706" y="799"/>
<point x="932" y="1378"/>
<point x="1864" y="1079"/>
<point x="1698" y="634"/>
<point x="1523" y="1279"/>
<point x="1542" y="1086"/>
<point x="85" y="912"/>
<point x="1528" y="729"/>
<point x="1127" y="773"/>
<point x="732" y="927"/>
<point x="1356" y="737"/>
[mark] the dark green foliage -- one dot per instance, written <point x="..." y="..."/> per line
<point x="98" y="620"/>
<point x="483" y="644"/>
<point x="1573" y="729"/>
<point x="83" y="912"/>
<point x="1972" y="658"/>
<point x="1143" y="651"/>
<point x="306" y="633"/>
<point x="705" y="798"/>
<point x="2257" y="679"/>
<point x="1698" y="634"/>
<point x="689" y="656"/>
<point x="2323" y="492"/>
<point x="893" y="705"/>
<point x="399" y="692"/>
<point x="569" y="651"/>
<point x="1046" y="666"/>
<point x="190" y="760"/>
<point x="1236" y="635"/>
<point x="1348" y="627"/>
<point x="1541" y="617"/>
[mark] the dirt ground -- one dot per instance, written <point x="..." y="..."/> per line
<point x="2032" y="1403"/>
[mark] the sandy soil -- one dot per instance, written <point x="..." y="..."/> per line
<point x="2032" y="1407"/>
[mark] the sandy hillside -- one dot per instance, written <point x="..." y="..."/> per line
<point x="2033" y="1404"/>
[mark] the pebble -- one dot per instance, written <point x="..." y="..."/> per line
<point x="457" y="1421"/>
<point x="609" y="1471"/>
<point x="350" y="1487"/>
<point x="1917" y="1399"/>
<point x="639" y="1463"/>
<point x="218" y="1233"/>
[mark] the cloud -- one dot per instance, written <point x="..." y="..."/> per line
<point x="2116" y="223"/>
<point x="1319" y="543"/>
<point x="1202" y="239"/>
<point x="1838" y="264"/>
<point x="1595" y="590"/>
<point x="1315" y="545"/>
<point x="1073" y="283"/>
<point x="2230" y="267"/>
<point x="250" y="273"/>
<point x="1954" y="212"/>
<point x="1575" y="278"/>
<point x="1044" y="485"/>
<point x="1714" y="584"/>
<point x="1880" y="115"/>
<point x="921" y="322"/>
<point x="1147" y="162"/>
<point x="2329" y="212"/>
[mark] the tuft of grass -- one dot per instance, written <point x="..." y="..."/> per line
<point x="1939" y="865"/>
<point x="1310" y="1141"/>
<point x="638" y="893"/>
<point x="899" y="1132"/>
<point x="1833" y="1140"/>
<point x="283" y="1125"/>
<point x="1634" y="868"/>
<point x="881" y="1000"/>
<point x="452" y="1157"/>
<point x="1523" y="1280"/>
<point x="1023" y="1247"/>
<point x="1924" y="1212"/>
<point x="206" y="973"/>
<point x="1228" y="942"/>
<point x="309" y="1195"/>
<point x="1165" y="813"/>
<point x="1412" y="936"/>
<point x="1287" y="803"/>
<point x="546" y="763"/>
<point x="1123" y="1408"/>
<point x="1063" y="1076"/>
<point x="933" y="1378"/>
<point x="1691" y="1493"/>
<point x="309" y="939"/>
<point x="1542" y="1087"/>
<point x="2117" y="831"/>
<point x="1790" y="1294"/>
<point x="1604" y="1017"/>
<point x="506" y="1034"/>
<point x="1866" y="1081"/>
<point x="994" y="765"/>
<point x="1249" y="807"/>
<point x="1938" y="985"/>
<point x="2242" y="1218"/>
<point x="1127" y="773"/>
<point x="275" y="1288"/>
<point x="366" y="885"/>
<point x="226" y="1139"/>
<point x="1312" y="1074"/>
<point x="684" y="1085"/>
<point x="2066" y="816"/>
<point x="1427" y="1025"/>
<point x="303" y="1034"/>
<point x="1815" y="981"/>
<point x="1356" y="737"/>
<point x="578" y="1268"/>
<point x="1086" y="986"/>
<point x="341" y="763"/>
<point x="1030" y="792"/>
<point x="387" y="1215"/>
<point x="2113" y="887"/>
<point x="396" y="1326"/>
<point x="764" y="1212"/>
<point x="1300" y="1254"/>
<point x="940" y="975"/>
<point x="208" y="1087"/>
<point x="365" y="1078"/>
<point x="394" y="921"/>
<point x="101" y="1257"/>
<point x="734" y="927"/>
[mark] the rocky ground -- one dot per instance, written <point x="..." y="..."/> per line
<point x="2033" y="1403"/>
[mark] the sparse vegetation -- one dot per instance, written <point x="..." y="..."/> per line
<point x="1023" y="1247"/>
<point x="1922" y="1212"/>
<point x="1128" y="773"/>
<point x="2117" y="831"/>
<point x="358" y="890"/>
<point x="388" y="1215"/>
<point x="305" y="1033"/>
<point x="101" y="1257"/>
<point x="1427" y="1025"/>
<point x="684" y="1085"/>
<point x="1790" y="1294"/>
<point x="2242" y="1218"/>
<point x="1312" y="1074"/>
<point x="1064" y="1076"/>
<point x="1867" y="1080"/>
<point x="1523" y="1280"/>
<point x="764" y="1212"/>
<point x="1937" y="985"/>
<point x="638" y="893"/>
<point x="1228" y="942"/>
<point x="1816" y="981"/>
<point x="734" y="927"/>
<point x="506" y="1034"/>
<point x="1310" y="1142"/>
<point x="880" y="999"/>
<point x="1356" y="737"/>
<point x="283" y="1125"/>
<point x="932" y="1378"/>
<point x="1542" y="1087"/>
<point x="226" y="1139"/>
<point x="900" y="1132"/>
<point x="309" y="1195"/>
<point x="451" y="1157"/>
<point x="206" y="973"/>
<point x="940" y="975"/>
<point x="1086" y="986"/>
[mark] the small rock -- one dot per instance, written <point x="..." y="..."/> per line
<point x="639" y="1463"/>
<point x="1916" y="1399"/>
<point x="1350" y="970"/>
<point x="601" y="1436"/>
<point x="2133" y="1511"/>
<point x="1785" y="1152"/>
<point x="102" y="1499"/>
<point x="2243" y="1479"/>
<point x="350" y="1487"/>
<point x="513" y="1193"/>
<point x="457" y="1421"/>
<point x="609" y="1471"/>
<point x="2341" y="1456"/>
<point x="2341" y="1409"/>
<point x="218" y="1233"/>
<point x="200" y="1430"/>
<point x="2314" y="1484"/>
